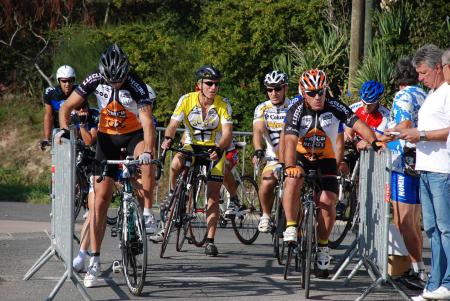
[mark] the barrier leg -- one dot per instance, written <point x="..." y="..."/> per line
<point x="345" y="261"/>
<point x="369" y="289"/>
<point x="353" y="272"/>
<point x="58" y="286"/>
<point x="77" y="282"/>
<point x="40" y="262"/>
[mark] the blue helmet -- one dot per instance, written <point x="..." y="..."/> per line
<point x="371" y="91"/>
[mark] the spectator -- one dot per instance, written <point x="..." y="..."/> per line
<point x="405" y="182"/>
<point x="433" y="162"/>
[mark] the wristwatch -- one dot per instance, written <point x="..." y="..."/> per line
<point x="423" y="136"/>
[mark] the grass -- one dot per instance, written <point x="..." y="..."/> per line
<point x="24" y="168"/>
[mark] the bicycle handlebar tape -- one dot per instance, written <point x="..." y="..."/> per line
<point x="259" y="153"/>
<point x="375" y="145"/>
<point x="159" y="170"/>
<point x="218" y="151"/>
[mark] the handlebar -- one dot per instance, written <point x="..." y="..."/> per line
<point x="127" y="163"/>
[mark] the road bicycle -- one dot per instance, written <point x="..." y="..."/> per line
<point x="188" y="202"/>
<point x="304" y="251"/>
<point x="245" y="222"/>
<point x="84" y="165"/>
<point x="130" y="227"/>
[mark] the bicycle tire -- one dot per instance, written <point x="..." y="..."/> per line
<point x="245" y="226"/>
<point x="344" y="222"/>
<point x="170" y="220"/>
<point x="80" y="193"/>
<point x="134" y="249"/>
<point x="279" y="223"/>
<point x="197" y="206"/>
<point x="182" y="230"/>
<point x="289" y="254"/>
<point x="309" y="239"/>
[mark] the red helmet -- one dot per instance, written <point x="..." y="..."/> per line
<point x="312" y="80"/>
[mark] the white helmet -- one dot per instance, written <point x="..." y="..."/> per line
<point x="65" y="71"/>
<point x="151" y="93"/>
<point x="275" y="78"/>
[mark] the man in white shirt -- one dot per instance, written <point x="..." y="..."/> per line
<point x="433" y="162"/>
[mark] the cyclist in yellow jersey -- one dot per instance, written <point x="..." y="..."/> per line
<point x="207" y="118"/>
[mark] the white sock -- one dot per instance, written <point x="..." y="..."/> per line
<point x="266" y="215"/>
<point x="95" y="259"/>
<point x="418" y="266"/>
<point x="82" y="254"/>
<point x="148" y="211"/>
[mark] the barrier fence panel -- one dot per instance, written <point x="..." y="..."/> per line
<point x="62" y="219"/>
<point x="371" y="245"/>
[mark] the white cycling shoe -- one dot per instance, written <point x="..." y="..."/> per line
<point x="264" y="224"/>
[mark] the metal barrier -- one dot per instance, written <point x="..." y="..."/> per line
<point x="165" y="182"/>
<point x="63" y="190"/>
<point x="371" y="245"/>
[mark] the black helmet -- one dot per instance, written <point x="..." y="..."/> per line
<point x="208" y="72"/>
<point x="114" y="64"/>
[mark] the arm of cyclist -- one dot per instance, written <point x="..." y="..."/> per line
<point x="75" y="100"/>
<point x="290" y="157"/>
<point x="87" y="134"/>
<point x="48" y="125"/>
<point x="281" y="147"/>
<point x="169" y="134"/>
<point x="258" y="133"/>
<point x="145" y="117"/>
<point x="367" y="134"/>
<point x="224" y="142"/>
<point x="340" y="148"/>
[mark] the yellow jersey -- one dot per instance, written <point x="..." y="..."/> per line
<point x="202" y="131"/>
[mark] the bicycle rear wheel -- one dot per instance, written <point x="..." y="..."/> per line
<point x="134" y="248"/>
<point x="279" y="225"/>
<point x="197" y="207"/>
<point x="344" y="219"/>
<point x="245" y="223"/>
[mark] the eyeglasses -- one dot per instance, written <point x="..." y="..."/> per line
<point x="210" y="84"/>
<point x="314" y="93"/>
<point x="67" y="80"/>
<point x="277" y="89"/>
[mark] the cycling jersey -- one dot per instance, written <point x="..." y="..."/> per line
<point x="54" y="97"/>
<point x="273" y="118"/>
<point x="317" y="130"/>
<point x="378" y="119"/>
<point x="405" y="106"/>
<point x="207" y="131"/>
<point x="118" y="108"/>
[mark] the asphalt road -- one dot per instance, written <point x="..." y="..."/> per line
<point x="239" y="272"/>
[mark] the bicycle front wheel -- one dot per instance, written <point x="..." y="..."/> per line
<point x="245" y="223"/>
<point x="308" y="244"/>
<point x="170" y="220"/>
<point x="134" y="248"/>
<point x="197" y="207"/>
<point x="182" y="230"/>
<point x="345" y="213"/>
<point x="81" y="192"/>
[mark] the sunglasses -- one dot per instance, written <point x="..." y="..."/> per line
<point x="65" y="81"/>
<point x="277" y="89"/>
<point x="314" y="93"/>
<point x="210" y="84"/>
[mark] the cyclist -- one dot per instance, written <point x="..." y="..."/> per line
<point x="53" y="98"/>
<point x="310" y="132"/>
<point x="267" y="125"/>
<point x="86" y="121"/>
<point x="207" y="118"/>
<point x="369" y="110"/>
<point x="125" y="121"/>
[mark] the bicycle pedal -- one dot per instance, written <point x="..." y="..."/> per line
<point x="189" y="240"/>
<point x="113" y="232"/>
<point x="117" y="267"/>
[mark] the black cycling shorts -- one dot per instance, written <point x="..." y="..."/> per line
<point x="109" y="148"/>
<point x="326" y="167"/>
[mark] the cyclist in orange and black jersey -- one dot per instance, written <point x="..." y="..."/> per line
<point x="125" y="121"/>
<point x="311" y="129"/>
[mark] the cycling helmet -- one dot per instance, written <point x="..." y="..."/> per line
<point x="208" y="72"/>
<point x="275" y="78"/>
<point x="114" y="64"/>
<point x="312" y="80"/>
<point x="371" y="91"/>
<point x="151" y="92"/>
<point x="65" y="71"/>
